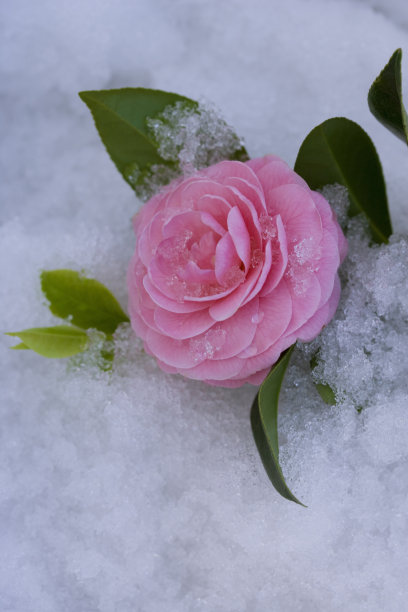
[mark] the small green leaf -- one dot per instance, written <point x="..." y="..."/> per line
<point x="120" y="118"/>
<point x="54" y="342"/>
<point x="86" y="301"/>
<point x="339" y="151"/>
<point x="264" y="422"/>
<point x="326" y="393"/>
<point x="385" y="98"/>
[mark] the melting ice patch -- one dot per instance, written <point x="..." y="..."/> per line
<point x="194" y="137"/>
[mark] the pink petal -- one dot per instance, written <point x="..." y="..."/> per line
<point x="240" y="237"/>
<point x="265" y="271"/>
<point x="314" y="326"/>
<point x="266" y="359"/>
<point x="138" y="325"/>
<point x="225" y="308"/>
<point x="219" y="369"/>
<point x="192" y="273"/>
<point x="199" y="186"/>
<point x="185" y="221"/>
<point x="165" y="282"/>
<point x="280" y="259"/>
<point x="178" y="192"/>
<point x="252" y="192"/>
<point x="342" y="242"/>
<point x="150" y="237"/>
<point x="327" y="266"/>
<point x="182" y="325"/>
<point x="226" y="258"/>
<point x="167" y="302"/>
<point x="299" y="214"/>
<point x="239" y="330"/>
<point x="175" y="353"/>
<point x="330" y="222"/>
<point x="164" y="366"/>
<point x="275" y="313"/>
<point x="258" y="163"/>
<point x="216" y="206"/>
<point x="248" y="212"/>
<point x="224" y="170"/>
<point x="243" y="178"/>
<point x="234" y="383"/>
<point x="324" y="209"/>
<point x="209" y="220"/>
<point x="304" y="302"/>
<point x="147" y="212"/>
<point x="216" y="297"/>
<point x="275" y="173"/>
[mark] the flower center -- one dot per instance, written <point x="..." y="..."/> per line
<point x="187" y="262"/>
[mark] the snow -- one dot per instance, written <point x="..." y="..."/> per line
<point x="141" y="491"/>
<point x="196" y="138"/>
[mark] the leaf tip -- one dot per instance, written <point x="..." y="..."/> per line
<point x="83" y="95"/>
<point x="86" y="97"/>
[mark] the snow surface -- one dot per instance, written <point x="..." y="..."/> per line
<point x="142" y="491"/>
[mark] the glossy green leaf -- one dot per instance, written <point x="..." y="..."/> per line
<point x="87" y="302"/>
<point x="385" y="98"/>
<point x="339" y="151"/>
<point x="264" y="422"/>
<point x="54" y="342"/>
<point x="120" y="118"/>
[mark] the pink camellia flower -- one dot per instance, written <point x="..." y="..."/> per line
<point x="232" y="266"/>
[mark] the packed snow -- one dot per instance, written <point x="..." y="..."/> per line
<point x="139" y="491"/>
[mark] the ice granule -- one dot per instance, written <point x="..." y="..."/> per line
<point x="268" y="226"/>
<point x="194" y="137"/>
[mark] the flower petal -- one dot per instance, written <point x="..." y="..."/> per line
<point x="314" y="326"/>
<point x="280" y="259"/>
<point x="275" y="313"/>
<point x="182" y="325"/>
<point x="240" y="237"/>
<point x="167" y="302"/>
<point x="226" y="259"/>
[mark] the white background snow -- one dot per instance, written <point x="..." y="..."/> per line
<point x="142" y="491"/>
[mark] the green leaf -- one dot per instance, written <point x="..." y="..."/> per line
<point x="87" y="302"/>
<point x="326" y="393"/>
<point x="264" y="422"/>
<point x="120" y="118"/>
<point x="54" y="342"/>
<point x="339" y="151"/>
<point x="385" y="98"/>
